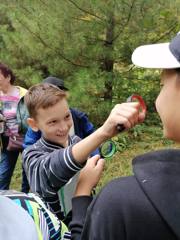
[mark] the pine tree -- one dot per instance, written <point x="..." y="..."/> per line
<point x="86" y="42"/>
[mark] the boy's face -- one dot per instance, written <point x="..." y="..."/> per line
<point x="167" y="104"/>
<point x="54" y="122"/>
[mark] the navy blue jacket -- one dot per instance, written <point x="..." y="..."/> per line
<point x="144" y="206"/>
<point x="82" y="128"/>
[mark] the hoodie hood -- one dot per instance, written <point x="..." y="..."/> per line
<point x="158" y="174"/>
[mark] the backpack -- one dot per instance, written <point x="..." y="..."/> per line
<point x="47" y="225"/>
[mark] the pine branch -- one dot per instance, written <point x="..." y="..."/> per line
<point x="85" y="11"/>
<point x="37" y="36"/>
<point x="172" y="28"/>
<point x="127" y="20"/>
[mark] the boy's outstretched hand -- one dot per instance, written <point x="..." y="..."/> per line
<point x="127" y="114"/>
<point x="89" y="176"/>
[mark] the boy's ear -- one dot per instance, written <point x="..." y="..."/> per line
<point x="32" y="123"/>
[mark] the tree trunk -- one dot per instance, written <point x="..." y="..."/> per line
<point x="108" y="61"/>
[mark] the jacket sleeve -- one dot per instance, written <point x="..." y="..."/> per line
<point x="31" y="137"/>
<point x="99" y="219"/>
<point x="79" y="209"/>
<point x="47" y="172"/>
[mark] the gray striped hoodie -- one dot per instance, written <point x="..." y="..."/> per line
<point x="48" y="168"/>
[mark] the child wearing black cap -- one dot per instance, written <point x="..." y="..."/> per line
<point x="146" y="205"/>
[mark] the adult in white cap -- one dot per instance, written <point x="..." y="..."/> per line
<point x="145" y="205"/>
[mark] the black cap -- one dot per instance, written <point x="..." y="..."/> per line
<point x="55" y="81"/>
<point x="174" y="47"/>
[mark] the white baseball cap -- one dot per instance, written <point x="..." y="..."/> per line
<point x="161" y="55"/>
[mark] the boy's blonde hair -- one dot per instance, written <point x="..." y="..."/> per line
<point x="43" y="96"/>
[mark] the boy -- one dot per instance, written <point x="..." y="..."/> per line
<point x="146" y="205"/>
<point x="57" y="157"/>
<point x="81" y="127"/>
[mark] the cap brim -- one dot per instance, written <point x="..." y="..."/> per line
<point x="63" y="88"/>
<point x="155" y="56"/>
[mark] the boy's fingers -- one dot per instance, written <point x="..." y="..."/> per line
<point x="126" y="122"/>
<point x="100" y="164"/>
<point x="132" y="104"/>
<point x="96" y="162"/>
<point x="142" y="116"/>
<point x="93" y="160"/>
<point x="133" y="112"/>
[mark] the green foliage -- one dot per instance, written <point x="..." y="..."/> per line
<point x="89" y="97"/>
<point x="89" y="44"/>
<point x="126" y="139"/>
<point x="139" y="140"/>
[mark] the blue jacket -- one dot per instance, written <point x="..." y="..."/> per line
<point x="82" y="128"/>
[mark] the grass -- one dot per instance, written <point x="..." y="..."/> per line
<point x="17" y="176"/>
<point x="140" y="140"/>
<point x="148" y="139"/>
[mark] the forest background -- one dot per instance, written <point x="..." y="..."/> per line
<point x="89" y="43"/>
